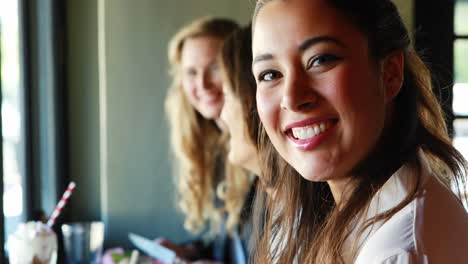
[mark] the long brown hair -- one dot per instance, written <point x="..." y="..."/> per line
<point x="199" y="145"/>
<point x="302" y="212"/>
<point x="236" y="62"/>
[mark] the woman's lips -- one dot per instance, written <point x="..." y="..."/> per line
<point x="310" y="133"/>
<point x="210" y="99"/>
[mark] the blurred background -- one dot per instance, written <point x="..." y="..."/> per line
<point x="82" y="89"/>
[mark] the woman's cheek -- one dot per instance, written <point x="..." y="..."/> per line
<point x="267" y="108"/>
<point x="189" y="89"/>
<point x="218" y="83"/>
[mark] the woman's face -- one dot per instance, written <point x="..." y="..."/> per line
<point x="242" y="151"/>
<point x="201" y="79"/>
<point x="320" y="96"/>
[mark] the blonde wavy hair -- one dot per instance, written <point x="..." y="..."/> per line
<point x="199" y="145"/>
<point x="304" y="213"/>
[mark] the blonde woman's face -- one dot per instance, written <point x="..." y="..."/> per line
<point x="242" y="151"/>
<point x="320" y="96"/>
<point x="201" y="78"/>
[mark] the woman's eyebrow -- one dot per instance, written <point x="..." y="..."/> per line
<point x="302" y="47"/>
<point x="316" y="40"/>
<point x="262" y="57"/>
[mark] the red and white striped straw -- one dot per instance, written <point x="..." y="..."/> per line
<point x="61" y="204"/>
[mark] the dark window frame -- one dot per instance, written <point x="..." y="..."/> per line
<point x="434" y="39"/>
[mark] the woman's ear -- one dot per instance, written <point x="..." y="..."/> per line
<point x="393" y="74"/>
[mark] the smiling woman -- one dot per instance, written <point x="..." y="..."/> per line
<point x="201" y="79"/>
<point x="210" y="190"/>
<point x="364" y="152"/>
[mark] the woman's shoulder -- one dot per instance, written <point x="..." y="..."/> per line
<point x="394" y="240"/>
<point x="433" y="226"/>
<point x="441" y="224"/>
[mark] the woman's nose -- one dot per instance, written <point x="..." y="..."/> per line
<point x="298" y="93"/>
<point x="208" y="80"/>
<point x="204" y="81"/>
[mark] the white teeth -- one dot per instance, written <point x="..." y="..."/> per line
<point x="322" y="127"/>
<point x="317" y="130"/>
<point x="303" y="133"/>
<point x="309" y="131"/>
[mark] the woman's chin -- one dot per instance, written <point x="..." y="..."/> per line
<point x="315" y="175"/>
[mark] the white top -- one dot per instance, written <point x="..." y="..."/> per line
<point x="432" y="228"/>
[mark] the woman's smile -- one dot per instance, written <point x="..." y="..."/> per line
<point x="318" y="94"/>
<point x="310" y="133"/>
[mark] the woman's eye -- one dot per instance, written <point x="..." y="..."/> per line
<point x="269" y="76"/>
<point x="321" y="60"/>
<point x="214" y="67"/>
<point x="191" y="72"/>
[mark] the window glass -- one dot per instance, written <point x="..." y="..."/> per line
<point x="460" y="140"/>
<point x="461" y="17"/>
<point x="12" y="116"/>
<point x="461" y="136"/>
<point x="460" y="98"/>
<point x="460" y="59"/>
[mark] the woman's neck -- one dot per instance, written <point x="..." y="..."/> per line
<point x="341" y="189"/>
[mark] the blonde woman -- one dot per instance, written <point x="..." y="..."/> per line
<point x="366" y="165"/>
<point x="209" y="189"/>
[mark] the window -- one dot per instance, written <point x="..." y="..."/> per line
<point x="460" y="88"/>
<point x="444" y="44"/>
<point x="12" y="117"/>
<point x="33" y="162"/>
